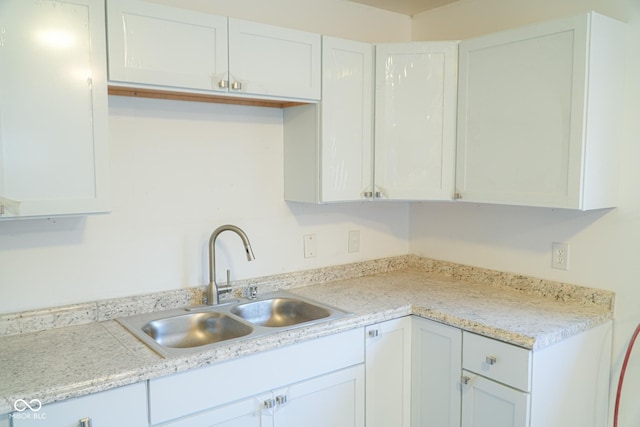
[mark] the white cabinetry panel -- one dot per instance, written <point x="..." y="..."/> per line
<point x="487" y="403"/>
<point x="53" y="109"/>
<point x="166" y="46"/>
<point x="169" y="48"/>
<point x="124" y="406"/>
<point x="274" y="61"/>
<point x="415" y="120"/>
<point x="435" y="374"/>
<point x="538" y="114"/>
<point x="328" y="147"/>
<point x="388" y="373"/>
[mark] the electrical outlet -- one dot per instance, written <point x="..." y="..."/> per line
<point x="354" y="241"/>
<point x="310" y="245"/>
<point x="560" y="256"/>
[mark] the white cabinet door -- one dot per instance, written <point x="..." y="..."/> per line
<point x="538" y="114"/>
<point x="53" y="108"/>
<point x="273" y="61"/>
<point x="125" y="406"/>
<point x="158" y="45"/>
<point x="244" y="413"/>
<point x="486" y="403"/>
<point x="436" y="368"/>
<point x="328" y="147"/>
<point x="388" y="373"/>
<point x="415" y="120"/>
<point x="335" y="400"/>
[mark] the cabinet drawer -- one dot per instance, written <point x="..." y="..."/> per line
<point x="505" y="363"/>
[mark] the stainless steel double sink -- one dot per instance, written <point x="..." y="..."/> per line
<point x="191" y="329"/>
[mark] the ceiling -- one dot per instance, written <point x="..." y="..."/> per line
<point x="407" y="7"/>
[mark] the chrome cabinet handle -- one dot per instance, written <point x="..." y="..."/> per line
<point x="465" y="380"/>
<point x="374" y="333"/>
<point x="236" y="86"/>
<point x="84" y="422"/>
<point x="269" y="403"/>
<point x="281" y="399"/>
<point x="491" y="360"/>
<point x="223" y="84"/>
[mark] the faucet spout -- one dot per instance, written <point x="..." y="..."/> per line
<point x="213" y="291"/>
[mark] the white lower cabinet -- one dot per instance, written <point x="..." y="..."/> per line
<point x="436" y="365"/>
<point x="388" y="373"/>
<point x="564" y="384"/>
<point x="315" y="383"/>
<point x="124" y="406"/>
<point x="305" y="403"/>
<point x="423" y="373"/>
<point x="488" y="403"/>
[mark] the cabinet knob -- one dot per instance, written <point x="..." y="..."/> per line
<point x="223" y="84"/>
<point x="236" y="86"/>
<point x="368" y="194"/>
<point x="378" y="194"/>
<point x="457" y="196"/>
<point x="281" y="399"/>
<point x="374" y="333"/>
<point x="465" y="379"/>
<point x="491" y="360"/>
<point x="269" y="403"/>
<point x="84" y="422"/>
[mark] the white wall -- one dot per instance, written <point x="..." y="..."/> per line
<point x="181" y="169"/>
<point x="604" y="245"/>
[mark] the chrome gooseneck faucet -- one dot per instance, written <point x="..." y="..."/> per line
<point x="213" y="292"/>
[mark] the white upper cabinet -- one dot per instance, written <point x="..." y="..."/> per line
<point x="165" y="46"/>
<point x="415" y="118"/>
<point x="53" y="109"/>
<point x="538" y="114"/>
<point x="152" y="45"/>
<point x="328" y="147"/>
<point x="274" y="61"/>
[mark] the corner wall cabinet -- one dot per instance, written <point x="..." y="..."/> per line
<point x="157" y="46"/>
<point x="53" y="109"/>
<point x="124" y="406"/>
<point x="538" y="114"/>
<point x="415" y="119"/>
<point x="330" y="154"/>
<point x="328" y="146"/>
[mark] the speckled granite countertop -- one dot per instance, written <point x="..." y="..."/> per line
<point x="92" y="356"/>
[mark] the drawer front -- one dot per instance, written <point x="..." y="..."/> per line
<point x="499" y="361"/>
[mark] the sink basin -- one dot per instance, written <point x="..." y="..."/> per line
<point x="195" y="329"/>
<point x="188" y="330"/>
<point x="279" y="312"/>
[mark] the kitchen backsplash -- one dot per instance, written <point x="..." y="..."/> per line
<point x="55" y="317"/>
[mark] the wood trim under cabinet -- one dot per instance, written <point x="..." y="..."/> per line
<point x="199" y="97"/>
